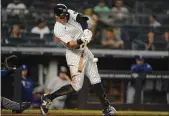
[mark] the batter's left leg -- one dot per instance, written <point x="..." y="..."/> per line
<point x="47" y="98"/>
<point x="76" y="85"/>
<point x="91" y="72"/>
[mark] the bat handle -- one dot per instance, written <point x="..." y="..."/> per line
<point x="86" y="42"/>
<point x="80" y="67"/>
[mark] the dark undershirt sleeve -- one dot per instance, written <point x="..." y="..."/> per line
<point x="82" y="20"/>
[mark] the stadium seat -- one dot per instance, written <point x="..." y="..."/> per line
<point x="160" y="43"/>
<point x="39" y="4"/>
<point x="13" y="20"/>
<point x="31" y="36"/>
<point x="48" y="37"/>
<point x="165" y="20"/>
<point x="133" y="32"/>
<point x="49" y="41"/>
<point x="139" y="42"/>
<point x="34" y="39"/>
<point x="4" y="31"/>
<point x="29" y="17"/>
<point x="31" y="22"/>
<point x="143" y="20"/>
<point x="162" y="29"/>
<point x="146" y="29"/>
<point x="17" y="41"/>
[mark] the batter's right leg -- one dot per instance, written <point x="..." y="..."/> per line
<point x="95" y="80"/>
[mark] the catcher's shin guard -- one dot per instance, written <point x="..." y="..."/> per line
<point x="9" y="104"/>
<point x="14" y="106"/>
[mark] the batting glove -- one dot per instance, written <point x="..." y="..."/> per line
<point x="87" y="35"/>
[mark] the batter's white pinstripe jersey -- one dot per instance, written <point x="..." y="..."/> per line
<point x="72" y="30"/>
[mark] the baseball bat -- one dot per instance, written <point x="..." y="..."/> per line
<point x="80" y="67"/>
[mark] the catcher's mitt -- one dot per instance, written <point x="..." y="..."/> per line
<point x="11" y="62"/>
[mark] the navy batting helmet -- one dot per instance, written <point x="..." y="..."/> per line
<point x="139" y="57"/>
<point x="61" y="10"/>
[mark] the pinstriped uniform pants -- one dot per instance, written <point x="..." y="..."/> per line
<point x="89" y="68"/>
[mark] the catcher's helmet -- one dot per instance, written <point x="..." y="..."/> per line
<point x="61" y="10"/>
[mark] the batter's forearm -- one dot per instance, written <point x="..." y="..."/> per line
<point x="74" y="44"/>
<point x="47" y="91"/>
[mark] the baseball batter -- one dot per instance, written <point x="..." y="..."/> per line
<point x="72" y="29"/>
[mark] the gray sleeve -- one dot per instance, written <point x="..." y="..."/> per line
<point x="9" y="104"/>
<point x="51" y="85"/>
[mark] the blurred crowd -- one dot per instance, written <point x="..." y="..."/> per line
<point x="31" y="23"/>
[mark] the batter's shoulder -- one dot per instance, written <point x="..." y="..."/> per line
<point x="59" y="28"/>
<point x="73" y="14"/>
<point x="71" y="11"/>
<point x="58" y="25"/>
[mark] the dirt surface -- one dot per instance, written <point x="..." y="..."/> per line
<point x="82" y="113"/>
<point x="50" y="114"/>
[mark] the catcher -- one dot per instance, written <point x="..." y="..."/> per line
<point x="9" y="67"/>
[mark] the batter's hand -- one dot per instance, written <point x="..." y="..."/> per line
<point x="87" y="35"/>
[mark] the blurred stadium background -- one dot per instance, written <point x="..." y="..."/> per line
<point x="126" y="32"/>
